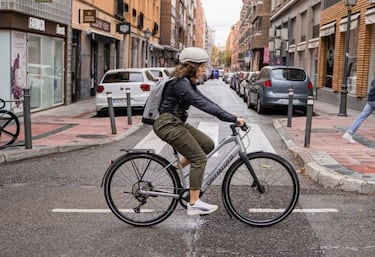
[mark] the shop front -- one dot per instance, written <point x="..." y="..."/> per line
<point x="33" y="56"/>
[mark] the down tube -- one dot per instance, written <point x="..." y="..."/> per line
<point x="220" y="167"/>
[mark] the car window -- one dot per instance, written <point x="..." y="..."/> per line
<point x="289" y="74"/>
<point x="156" y="73"/>
<point x="123" y="77"/>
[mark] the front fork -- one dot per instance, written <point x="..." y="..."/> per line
<point x="256" y="181"/>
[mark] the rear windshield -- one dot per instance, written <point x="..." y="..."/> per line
<point x="289" y="74"/>
<point x="157" y="73"/>
<point x="125" y="76"/>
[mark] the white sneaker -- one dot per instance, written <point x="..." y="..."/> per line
<point x="348" y="137"/>
<point x="200" y="207"/>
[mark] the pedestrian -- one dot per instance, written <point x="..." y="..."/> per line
<point x="367" y="110"/>
<point x="171" y="125"/>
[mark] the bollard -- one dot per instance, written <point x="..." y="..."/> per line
<point x="27" y="118"/>
<point x="128" y="106"/>
<point x="309" y="113"/>
<point x="111" y="112"/>
<point x="290" y="107"/>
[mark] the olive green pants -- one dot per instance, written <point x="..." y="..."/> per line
<point x="192" y="143"/>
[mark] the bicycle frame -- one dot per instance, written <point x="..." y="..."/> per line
<point x="237" y="149"/>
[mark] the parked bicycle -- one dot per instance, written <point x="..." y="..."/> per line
<point x="143" y="188"/>
<point x="9" y="126"/>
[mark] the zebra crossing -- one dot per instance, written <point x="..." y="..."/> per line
<point x="257" y="139"/>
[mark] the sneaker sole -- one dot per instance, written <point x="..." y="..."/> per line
<point x="199" y="212"/>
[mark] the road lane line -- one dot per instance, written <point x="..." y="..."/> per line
<point x="324" y="210"/>
<point x="317" y="210"/>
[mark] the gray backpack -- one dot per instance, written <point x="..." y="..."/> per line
<point x="151" y="108"/>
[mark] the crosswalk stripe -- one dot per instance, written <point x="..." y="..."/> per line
<point x="151" y="141"/>
<point x="258" y="140"/>
<point x="212" y="130"/>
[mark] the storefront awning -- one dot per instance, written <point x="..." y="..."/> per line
<point x="370" y="16"/>
<point x="327" y="29"/>
<point x="353" y="22"/>
<point x="156" y="46"/>
<point x="171" y="49"/>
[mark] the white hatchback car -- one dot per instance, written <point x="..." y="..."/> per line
<point x="139" y="80"/>
<point x="159" y="72"/>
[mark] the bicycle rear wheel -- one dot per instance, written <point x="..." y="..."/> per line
<point x="133" y="172"/>
<point x="244" y="201"/>
<point x="9" y="127"/>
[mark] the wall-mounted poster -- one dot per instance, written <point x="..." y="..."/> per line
<point x="18" y="68"/>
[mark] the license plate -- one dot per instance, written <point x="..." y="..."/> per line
<point x="286" y="101"/>
<point x="118" y="101"/>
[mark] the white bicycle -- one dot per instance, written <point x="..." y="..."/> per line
<point x="143" y="188"/>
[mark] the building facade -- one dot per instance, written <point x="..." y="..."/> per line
<point x="361" y="51"/>
<point x="35" y="48"/>
<point x="61" y="49"/>
<point x="294" y="34"/>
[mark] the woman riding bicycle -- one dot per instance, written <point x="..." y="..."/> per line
<point x="171" y="125"/>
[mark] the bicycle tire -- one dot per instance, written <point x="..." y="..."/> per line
<point x="9" y="127"/>
<point x="126" y="175"/>
<point x="243" y="200"/>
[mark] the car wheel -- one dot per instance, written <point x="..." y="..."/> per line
<point x="260" y="108"/>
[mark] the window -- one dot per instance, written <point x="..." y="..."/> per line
<point x="120" y="8"/>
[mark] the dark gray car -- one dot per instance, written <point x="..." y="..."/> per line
<point x="272" y="88"/>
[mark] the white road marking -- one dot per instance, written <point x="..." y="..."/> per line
<point x="318" y="210"/>
<point x="258" y="140"/>
<point x="151" y="141"/>
<point x="324" y="210"/>
<point x="96" y="210"/>
<point x="212" y="130"/>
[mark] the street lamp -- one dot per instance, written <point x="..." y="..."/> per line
<point x="344" y="88"/>
<point x="147" y="36"/>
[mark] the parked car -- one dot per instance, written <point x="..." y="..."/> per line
<point x="272" y="88"/>
<point x="243" y="84"/>
<point x="159" y="72"/>
<point x="228" y="77"/>
<point x="214" y="74"/>
<point x="250" y="80"/>
<point x="139" y="80"/>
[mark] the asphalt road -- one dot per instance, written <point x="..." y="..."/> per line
<point x="54" y="206"/>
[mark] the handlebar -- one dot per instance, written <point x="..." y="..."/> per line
<point x="235" y="125"/>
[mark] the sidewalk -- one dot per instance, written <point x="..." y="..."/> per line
<point x="68" y="128"/>
<point x="329" y="160"/>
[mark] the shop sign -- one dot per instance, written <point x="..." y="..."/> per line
<point x="60" y="30"/>
<point x="123" y="28"/>
<point x="101" y="24"/>
<point x="89" y="16"/>
<point x="37" y="24"/>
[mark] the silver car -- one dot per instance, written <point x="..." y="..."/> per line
<point x="139" y="80"/>
<point x="272" y="88"/>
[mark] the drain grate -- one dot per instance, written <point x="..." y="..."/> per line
<point x="92" y="136"/>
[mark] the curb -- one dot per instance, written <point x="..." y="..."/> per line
<point x="324" y="176"/>
<point x="23" y="154"/>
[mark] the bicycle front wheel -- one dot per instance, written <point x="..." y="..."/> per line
<point x="9" y="127"/>
<point x="132" y="184"/>
<point x="267" y="205"/>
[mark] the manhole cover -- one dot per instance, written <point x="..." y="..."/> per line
<point x="92" y="136"/>
<point x="323" y="130"/>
